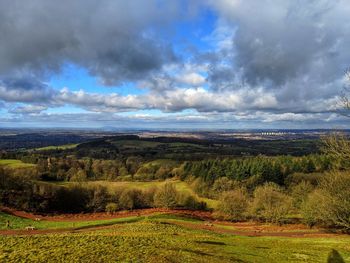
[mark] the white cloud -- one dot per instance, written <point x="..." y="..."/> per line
<point x="192" y="79"/>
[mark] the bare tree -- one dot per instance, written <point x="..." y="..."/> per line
<point x="338" y="144"/>
<point x="345" y="94"/>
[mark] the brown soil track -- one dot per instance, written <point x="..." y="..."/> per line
<point x="251" y="229"/>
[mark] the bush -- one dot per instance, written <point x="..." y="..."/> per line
<point x="70" y="199"/>
<point x="166" y="196"/>
<point x="330" y="203"/>
<point x="223" y="184"/>
<point x="314" y="209"/>
<point x="79" y="176"/>
<point x="297" y="178"/>
<point x="190" y="202"/>
<point x="201" y="187"/>
<point x="270" y="204"/>
<point x="233" y="205"/>
<point x="300" y="192"/>
<point x="111" y="207"/>
<point x="98" y="199"/>
<point x="148" y="196"/>
<point x="131" y="199"/>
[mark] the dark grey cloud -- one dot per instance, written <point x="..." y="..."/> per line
<point x="289" y="39"/>
<point x="115" y="40"/>
<point x="267" y="63"/>
<point x="222" y="77"/>
<point x="25" y="89"/>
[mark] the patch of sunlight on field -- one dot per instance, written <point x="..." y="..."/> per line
<point x="60" y="147"/>
<point x="9" y="163"/>
<point x="181" y="186"/>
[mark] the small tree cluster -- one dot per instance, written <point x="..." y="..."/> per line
<point x="233" y="205"/>
<point x="329" y="204"/>
<point x="268" y="203"/>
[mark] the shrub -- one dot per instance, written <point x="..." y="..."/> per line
<point x="130" y="199"/>
<point x="166" y="196"/>
<point x="79" y="176"/>
<point x="111" y="207"/>
<point x="300" y="192"/>
<point x="233" y="205"/>
<point x="330" y="203"/>
<point x="270" y="203"/>
<point x="190" y="202"/>
<point x="99" y="198"/>
<point x="314" y="208"/>
<point x="297" y="178"/>
<point x="70" y="199"/>
<point x="148" y="196"/>
<point x="223" y="184"/>
<point x="201" y="187"/>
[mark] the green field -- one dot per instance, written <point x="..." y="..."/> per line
<point x="181" y="186"/>
<point x="17" y="223"/>
<point x="60" y="147"/>
<point x="8" y="163"/>
<point x="157" y="239"/>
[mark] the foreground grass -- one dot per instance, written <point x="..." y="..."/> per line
<point x="17" y="223"/>
<point x="9" y="163"/>
<point x="156" y="241"/>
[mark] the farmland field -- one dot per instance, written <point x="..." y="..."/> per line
<point x="164" y="239"/>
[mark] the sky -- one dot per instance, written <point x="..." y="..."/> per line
<point x="174" y="64"/>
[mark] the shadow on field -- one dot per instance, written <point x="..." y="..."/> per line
<point x="335" y="257"/>
<point x="211" y="242"/>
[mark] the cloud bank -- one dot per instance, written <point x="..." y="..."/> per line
<point x="265" y="62"/>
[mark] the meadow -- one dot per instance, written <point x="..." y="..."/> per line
<point x="181" y="186"/>
<point x="18" y="223"/>
<point x="14" y="164"/>
<point x="160" y="239"/>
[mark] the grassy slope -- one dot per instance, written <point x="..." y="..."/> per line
<point x="22" y="223"/>
<point x="158" y="240"/>
<point x="180" y="186"/>
<point x="15" y="164"/>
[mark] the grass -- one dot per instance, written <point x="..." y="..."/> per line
<point x="181" y="186"/>
<point x="160" y="241"/>
<point x="60" y="147"/>
<point x="10" y="163"/>
<point x="22" y="223"/>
